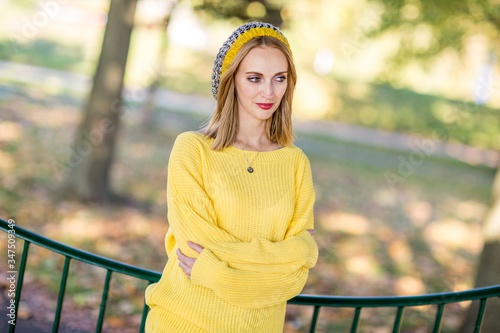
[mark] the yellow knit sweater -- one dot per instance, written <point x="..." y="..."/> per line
<point x="253" y="227"/>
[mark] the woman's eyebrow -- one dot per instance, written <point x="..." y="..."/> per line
<point x="257" y="73"/>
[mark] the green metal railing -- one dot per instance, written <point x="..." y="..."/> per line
<point x="83" y="256"/>
<point x="399" y="303"/>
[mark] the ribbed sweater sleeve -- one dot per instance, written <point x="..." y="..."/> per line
<point x="258" y="273"/>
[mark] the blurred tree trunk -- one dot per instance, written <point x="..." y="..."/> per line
<point x="88" y="168"/>
<point x="488" y="271"/>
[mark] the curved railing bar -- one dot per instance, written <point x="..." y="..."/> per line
<point x="84" y="256"/>
<point x="331" y="301"/>
<point x="397" y="301"/>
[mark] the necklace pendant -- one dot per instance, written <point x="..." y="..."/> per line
<point x="250" y="169"/>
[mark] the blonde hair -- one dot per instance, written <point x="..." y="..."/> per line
<point x="223" y="125"/>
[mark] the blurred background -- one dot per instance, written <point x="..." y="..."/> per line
<point x="397" y="108"/>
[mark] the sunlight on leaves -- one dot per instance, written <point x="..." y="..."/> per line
<point x="409" y="285"/>
<point x="410" y="12"/>
<point x="385" y="233"/>
<point x="361" y="265"/>
<point x="419" y="212"/>
<point x="110" y="247"/>
<point x="56" y="117"/>
<point x="454" y="234"/>
<point x="445" y="112"/>
<point x="10" y="131"/>
<point x="7" y="164"/>
<point x="358" y="90"/>
<point x="256" y="9"/>
<point x="77" y="227"/>
<point x="471" y="210"/>
<point x="312" y="99"/>
<point x="348" y="223"/>
<point x="422" y="37"/>
<point x="385" y="197"/>
<point x="400" y="252"/>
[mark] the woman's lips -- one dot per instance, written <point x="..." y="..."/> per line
<point x="265" y="106"/>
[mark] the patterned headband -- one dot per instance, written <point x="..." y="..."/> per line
<point x="234" y="43"/>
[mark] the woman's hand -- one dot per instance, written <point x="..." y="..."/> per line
<point x="186" y="263"/>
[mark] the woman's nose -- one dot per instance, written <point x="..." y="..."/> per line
<point x="267" y="90"/>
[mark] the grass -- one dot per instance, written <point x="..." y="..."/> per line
<point x="401" y="110"/>
<point x="388" y="161"/>
<point x="421" y="236"/>
<point x="42" y="52"/>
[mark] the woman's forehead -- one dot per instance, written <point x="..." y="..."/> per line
<point x="264" y="59"/>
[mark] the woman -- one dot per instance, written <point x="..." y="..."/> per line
<point x="240" y="200"/>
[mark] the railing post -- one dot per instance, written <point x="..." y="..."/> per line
<point x="399" y="319"/>
<point x="439" y="317"/>
<point x="62" y="289"/>
<point x="104" y="299"/>
<point x="19" y="285"/>
<point x="355" y="320"/>
<point x="314" y="320"/>
<point x="143" y="321"/>
<point x="480" y="314"/>
<point x="144" y="314"/>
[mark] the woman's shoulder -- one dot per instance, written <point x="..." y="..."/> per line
<point x="192" y="138"/>
<point x="188" y="148"/>
<point x="299" y="158"/>
<point x="298" y="153"/>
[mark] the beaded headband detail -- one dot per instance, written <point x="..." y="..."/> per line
<point x="233" y="44"/>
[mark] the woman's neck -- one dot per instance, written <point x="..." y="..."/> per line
<point x="251" y="143"/>
<point x="257" y="141"/>
<point x="251" y="133"/>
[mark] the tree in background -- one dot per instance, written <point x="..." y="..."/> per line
<point x="88" y="176"/>
<point x="488" y="270"/>
<point x="447" y="25"/>
<point x="428" y="28"/>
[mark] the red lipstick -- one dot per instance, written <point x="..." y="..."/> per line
<point x="265" y="106"/>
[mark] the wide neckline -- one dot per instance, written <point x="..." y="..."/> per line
<point x="267" y="155"/>
<point x="257" y="151"/>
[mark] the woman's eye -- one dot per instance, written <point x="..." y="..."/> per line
<point x="281" y="78"/>
<point x="254" y="79"/>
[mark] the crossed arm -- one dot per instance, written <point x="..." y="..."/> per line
<point x="252" y="274"/>
<point x="186" y="263"/>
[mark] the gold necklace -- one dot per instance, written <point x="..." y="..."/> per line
<point x="249" y="169"/>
